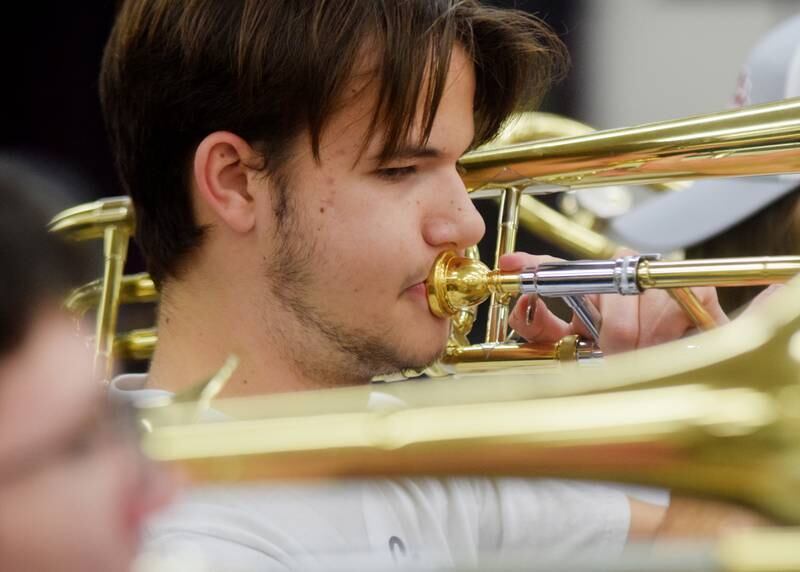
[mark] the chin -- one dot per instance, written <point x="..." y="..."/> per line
<point x="427" y="346"/>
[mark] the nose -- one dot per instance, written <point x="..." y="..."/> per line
<point x="454" y="222"/>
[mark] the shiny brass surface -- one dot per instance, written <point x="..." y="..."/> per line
<point x="115" y="250"/>
<point x="693" y="308"/>
<point x="756" y="140"/>
<point x="507" y="226"/>
<point x="528" y="126"/>
<point x="507" y="354"/>
<point x="134" y="288"/>
<point x="136" y="344"/>
<point x="463" y="321"/>
<point x="455" y="283"/>
<point x="89" y="221"/>
<point x="113" y="220"/>
<point x="722" y="272"/>
<point x="461" y="357"/>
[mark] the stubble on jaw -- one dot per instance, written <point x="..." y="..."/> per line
<point x="323" y="351"/>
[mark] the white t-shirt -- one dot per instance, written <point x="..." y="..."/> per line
<point x="424" y="521"/>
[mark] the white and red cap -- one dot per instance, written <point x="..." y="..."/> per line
<point x="680" y="219"/>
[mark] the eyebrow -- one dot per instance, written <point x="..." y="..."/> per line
<point x="411" y="152"/>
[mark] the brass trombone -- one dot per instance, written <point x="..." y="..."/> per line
<point x="113" y="220"/>
<point x="756" y="140"/>
<point x="659" y="153"/>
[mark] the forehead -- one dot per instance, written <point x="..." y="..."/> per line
<point x="362" y="122"/>
<point x="45" y="385"/>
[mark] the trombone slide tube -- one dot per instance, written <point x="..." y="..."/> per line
<point x="456" y="283"/>
<point x="723" y="272"/>
<point x="755" y="140"/>
<point x="631" y="275"/>
<point x="582" y="277"/>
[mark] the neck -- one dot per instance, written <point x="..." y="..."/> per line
<point x="198" y="328"/>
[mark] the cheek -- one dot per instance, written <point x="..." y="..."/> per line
<point x="365" y="237"/>
<point x="377" y="249"/>
<point x="362" y="230"/>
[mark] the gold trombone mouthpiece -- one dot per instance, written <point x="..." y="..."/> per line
<point x="456" y="283"/>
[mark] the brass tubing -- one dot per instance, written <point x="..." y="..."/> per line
<point x="463" y="321"/>
<point x="693" y="308"/>
<point x="136" y="344"/>
<point x="756" y="140"/>
<point x="722" y="272"/>
<point x="113" y="220"/>
<point x="508" y="222"/>
<point x="115" y="249"/>
<point x="507" y="225"/>
<point x="134" y="288"/>
<point x="566" y="349"/>
<point x="556" y="228"/>
<point x="88" y="221"/>
<point x="139" y="344"/>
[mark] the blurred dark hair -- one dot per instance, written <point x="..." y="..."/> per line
<point x="37" y="267"/>
<point x="772" y="231"/>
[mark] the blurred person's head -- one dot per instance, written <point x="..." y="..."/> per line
<point x="752" y="216"/>
<point x="73" y="486"/>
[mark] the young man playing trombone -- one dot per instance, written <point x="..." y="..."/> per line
<point x="293" y="168"/>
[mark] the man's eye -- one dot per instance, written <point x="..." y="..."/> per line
<point x="395" y="173"/>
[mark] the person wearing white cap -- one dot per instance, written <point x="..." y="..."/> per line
<point x="749" y="216"/>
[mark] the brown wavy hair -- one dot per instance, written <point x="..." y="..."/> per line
<point x="176" y="70"/>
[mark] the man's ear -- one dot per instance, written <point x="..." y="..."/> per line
<point x="220" y="176"/>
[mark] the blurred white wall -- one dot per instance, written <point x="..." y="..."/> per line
<point x="638" y="61"/>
